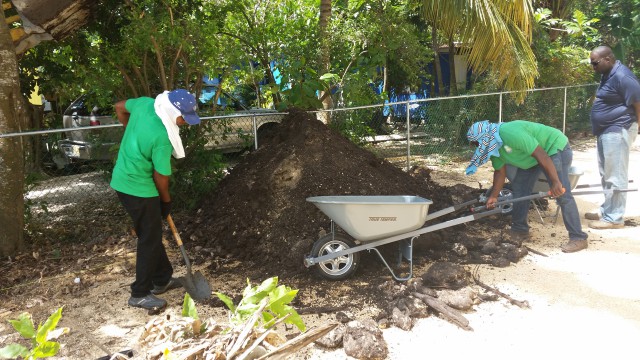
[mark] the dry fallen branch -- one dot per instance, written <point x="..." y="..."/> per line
<point x="299" y="342"/>
<point x="174" y="334"/>
<point x="536" y="251"/>
<point x="319" y="310"/>
<point x="445" y="310"/>
<point x="523" y="304"/>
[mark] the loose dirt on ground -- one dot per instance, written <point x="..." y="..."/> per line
<point x="258" y="224"/>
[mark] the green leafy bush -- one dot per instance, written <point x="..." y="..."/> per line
<point x="274" y="298"/>
<point x="41" y="344"/>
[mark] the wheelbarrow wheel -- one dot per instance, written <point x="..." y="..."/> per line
<point x="338" y="268"/>
<point x="505" y="194"/>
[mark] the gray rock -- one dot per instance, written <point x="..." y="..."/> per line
<point x="462" y="299"/>
<point x="333" y="339"/>
<point x="500" y="262"/>
<point x="489" y="247"/>
<point x="344" y="317"/>
<point x="364" y="340"/>
<point x="417" y="308"/>
<point x="401" y="319"/>
<point x="516" y="254"/>
<point x="446" y="275"/>
<point x="460" y="249"/>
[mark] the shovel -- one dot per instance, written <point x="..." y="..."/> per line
<point x="195" y="284"/>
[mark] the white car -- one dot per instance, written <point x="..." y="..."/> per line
<point x="228" y="133"/>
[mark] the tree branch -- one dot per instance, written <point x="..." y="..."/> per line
<point x="163" y="76"/>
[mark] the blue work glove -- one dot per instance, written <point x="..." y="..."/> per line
<point x="165" y="209"/>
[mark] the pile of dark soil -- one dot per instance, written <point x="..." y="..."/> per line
<point x="259" y="212"/>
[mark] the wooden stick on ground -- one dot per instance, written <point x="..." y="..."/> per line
<point x="290" y="347"/>
<point x="523" y="304"/>
<point x="320" y="309"/>
<point x="445" y="310"/>
<point x="536" y="252"/>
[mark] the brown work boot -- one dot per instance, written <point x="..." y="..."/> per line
<point x="601" y="225"/>
<point x="574" y="245"/>
<point x="592" y="215"/>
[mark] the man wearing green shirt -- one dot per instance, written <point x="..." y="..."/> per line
<point x="141" y="181"/>
<point x="531" y="148"/>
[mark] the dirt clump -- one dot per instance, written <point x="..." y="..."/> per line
<point x="259" y="211"/>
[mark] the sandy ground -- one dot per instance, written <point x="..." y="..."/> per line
<point x="584" y="305"/>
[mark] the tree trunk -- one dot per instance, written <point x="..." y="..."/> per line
<point x="436" y="61"/>
<point x="453" y="81"/>
<point x="325" y="56"/>
<point x="11" y="150"/>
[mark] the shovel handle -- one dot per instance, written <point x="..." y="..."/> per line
<point x="174" y="231"/>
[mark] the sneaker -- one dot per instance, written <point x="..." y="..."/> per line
<point x="574" y="245"/>
<point x="605" y="225"/>
<point x="172" y="284"/>
<point x="592" y="215"/>
<point x="149" y="302"/>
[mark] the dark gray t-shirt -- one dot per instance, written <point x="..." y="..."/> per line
<point x="613" y="107"/>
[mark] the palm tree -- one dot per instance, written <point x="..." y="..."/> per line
<point x="496" y="35"/>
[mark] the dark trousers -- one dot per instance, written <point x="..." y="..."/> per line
<point x="152" y="263"/>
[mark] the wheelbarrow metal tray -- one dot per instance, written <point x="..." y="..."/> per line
<point x="541" y="185"/>
<point x="368" y="218"/>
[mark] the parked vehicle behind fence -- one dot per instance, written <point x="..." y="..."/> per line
<point x="89" y="145"/>
<point x="229" y="133"/>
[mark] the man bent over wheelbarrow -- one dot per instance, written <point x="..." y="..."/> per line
<point x="531" y="148"/>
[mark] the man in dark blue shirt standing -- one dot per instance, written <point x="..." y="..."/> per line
<point x="615" y="117"/>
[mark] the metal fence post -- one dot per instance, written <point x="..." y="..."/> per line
<point x="408" y="136"/>
<point x="564" y="113"/>
<point x="255" y="132"/>
<point x="500" y="110"/>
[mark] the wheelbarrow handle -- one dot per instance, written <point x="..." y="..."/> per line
<point x="539" y="195"/>
<point x="606" y="191"/>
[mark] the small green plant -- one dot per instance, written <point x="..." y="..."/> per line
<point x="41" y="343"/>
<point x="189" y="310"/>
<point x="277" y="299"/>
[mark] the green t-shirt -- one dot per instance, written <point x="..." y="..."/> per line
<point x="520" y="138"/>
<point x="145" y="147"/>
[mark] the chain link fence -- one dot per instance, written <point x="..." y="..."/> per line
<point x="433" y="131"/>
<point x="68" y="198"/>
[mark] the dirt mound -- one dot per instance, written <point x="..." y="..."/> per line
<point x="259" y="211"/>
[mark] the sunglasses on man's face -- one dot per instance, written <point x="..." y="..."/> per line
<point x="595" y="63"/>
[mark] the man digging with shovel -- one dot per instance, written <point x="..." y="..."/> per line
<point x="141" y="180"/>
<point x="530" y="147"/>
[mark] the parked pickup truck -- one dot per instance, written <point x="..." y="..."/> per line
<point x="89" y="144"/>
<point x="228" y="133"/>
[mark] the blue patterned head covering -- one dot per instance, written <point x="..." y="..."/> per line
<point x="488" y="138"/>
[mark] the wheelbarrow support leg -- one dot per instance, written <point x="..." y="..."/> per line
<point x="406" y="251"/>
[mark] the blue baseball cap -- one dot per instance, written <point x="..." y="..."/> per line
<point x="186" y="103"/>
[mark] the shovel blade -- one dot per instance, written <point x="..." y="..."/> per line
<point x="197" y="286"/>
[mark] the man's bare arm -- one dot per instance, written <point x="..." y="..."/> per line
<point x="121" y="112"/>
<point x="636" y="107"/>
<point x="547" y="165"/>
<point x="162" y="184"/>
<point x="499" y="177"/>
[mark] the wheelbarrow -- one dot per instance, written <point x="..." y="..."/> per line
<point x="372" y="221"/>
